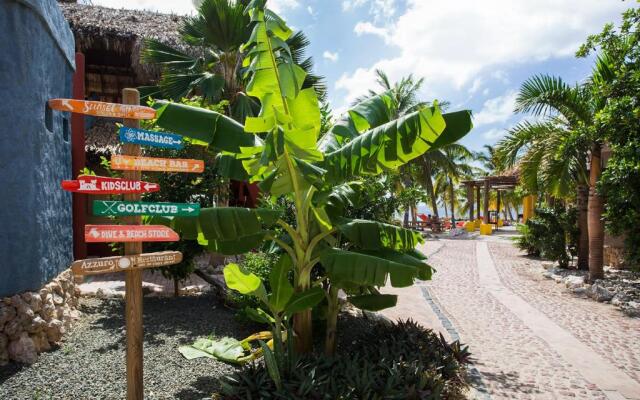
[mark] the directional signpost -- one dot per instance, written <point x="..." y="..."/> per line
<point x="133" y="234"/>
<point x="150" y="138"/>
<point x="104" y="185"/>
<point x="105" y="208"/>
<point x="131" y="163"/>
<point x="119" y="264"/>
<point x="100" y="109"/>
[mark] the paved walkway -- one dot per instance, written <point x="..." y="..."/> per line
<point x="530" y="339"/>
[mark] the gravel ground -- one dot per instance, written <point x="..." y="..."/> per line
<point x="90" y="364"/>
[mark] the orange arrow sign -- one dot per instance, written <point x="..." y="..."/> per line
<point x="129" y="233"/>
<point x="100" y="109"/>
<point x="132" y="163"/>
<point x="117" y="264"/>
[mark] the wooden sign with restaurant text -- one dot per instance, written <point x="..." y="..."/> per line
<point x="150" y="138"/>
<point x="132" y="163"/>
<point x="104" y="185"/>
<point x="118" y="264"/>
<point x="105" y="207"/>
<point x="101" y="109"/>
<point x="129" y="233"/>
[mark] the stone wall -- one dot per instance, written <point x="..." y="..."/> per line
<point x="37" y="64"/>
<point x="33" y="322"/>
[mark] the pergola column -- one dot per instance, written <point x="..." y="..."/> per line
<point x="498" y="206"/>
<point x="478" y="201"/>
<point x="485" y="210"/>
<point x="470" y="201"/>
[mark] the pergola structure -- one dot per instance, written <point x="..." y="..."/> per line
<point x="488" y="183"/>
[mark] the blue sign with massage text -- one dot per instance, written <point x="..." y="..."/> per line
<point x="150" y="138"/>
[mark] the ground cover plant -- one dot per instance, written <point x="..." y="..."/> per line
<point x="407" y="362"/>
<point x="280" y="149"/>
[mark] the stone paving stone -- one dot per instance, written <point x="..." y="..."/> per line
<point x="513" y="362"/>
<point x="603" y="328"/>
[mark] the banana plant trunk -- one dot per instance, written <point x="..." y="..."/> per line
<point x="333" y="308"/>
<point x="594" y="218"/>
<point x="582" y="201"/>
<point x="302" y="329"/>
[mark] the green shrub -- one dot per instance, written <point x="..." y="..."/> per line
<point x="389" y="361"/>
<point x="259" y="263"/>
<point x="552" y="234"/>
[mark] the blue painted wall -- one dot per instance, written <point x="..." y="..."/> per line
<point x="37" y="64"/>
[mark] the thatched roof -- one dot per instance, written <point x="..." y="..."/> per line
<point x="102" y="137"/>
<point x="122" y="32"/>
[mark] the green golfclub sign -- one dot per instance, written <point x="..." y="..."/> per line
<point x="105" y="208"/>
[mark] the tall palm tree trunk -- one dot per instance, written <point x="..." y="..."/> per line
<point x="432" y="193"/>
<point x="594" y="218"/>
<point x="582" y="200"/>
<point x="452" y="199"/>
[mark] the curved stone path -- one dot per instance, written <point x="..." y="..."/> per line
<point x="529" y="338"/>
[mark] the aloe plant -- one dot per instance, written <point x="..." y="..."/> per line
<point x="281" y="149"/>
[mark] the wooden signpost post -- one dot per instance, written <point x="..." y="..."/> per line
<point x="100" y="109"/>
<point x="125" y="263"/>
<point x="103" y="185"/>
<point x="119" y="208"/>
<point x="150" y="138"/>
<point x="132" y="163"/>
<point x="133" y="277"/>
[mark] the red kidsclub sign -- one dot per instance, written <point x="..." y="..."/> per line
<point x="104" y="185"/>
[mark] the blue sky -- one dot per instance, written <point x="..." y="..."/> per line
<point x="474" y="54"/>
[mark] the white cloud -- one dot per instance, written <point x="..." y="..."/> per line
<point x="279" y="6"/>
<point x="497" y="109"/>
<point x="493" y="134"/>
<point x="363" y="28"/>
<point x="348" y="5"/>
<point x="333" y="57"/>
<point x="310" y="10"/>
<point x="381" y="10"/>
<point x="476" y="85"/>
<point x="453" y="43"/>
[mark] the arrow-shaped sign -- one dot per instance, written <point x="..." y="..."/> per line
<point x="104" y="208"/>
<point x="133" y="163"/>
<point x="129" y="233"/>
<point x="150" y="138"/>
<point x="104" y="185"/>
<point x="101" y="109"/>
<point x="108" y="265"/>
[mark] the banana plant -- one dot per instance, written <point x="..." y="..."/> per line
<point x="281" y="150"/>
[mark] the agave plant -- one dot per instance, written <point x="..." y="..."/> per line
<point x="280" y="149"/>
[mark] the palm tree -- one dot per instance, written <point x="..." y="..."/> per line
<point x="209" y="63"/>
<point x="487" y="159"/>
<point x="552" y="153"/>
<point x="404" y="92"/>
<point x="452" y="161"/>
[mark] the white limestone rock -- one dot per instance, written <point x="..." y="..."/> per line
<point x="23" y="349"/>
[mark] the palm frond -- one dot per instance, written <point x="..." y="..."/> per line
<point x="545" y="94"/>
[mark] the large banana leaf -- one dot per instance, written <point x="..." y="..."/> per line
<point x="226" y="230"/>
<point x="373" y="235"/>
<point x="393" y="144"/>
<point x="374" y="302"/>
<point x="372" y="268"/>
<point x="216" y="130"/>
